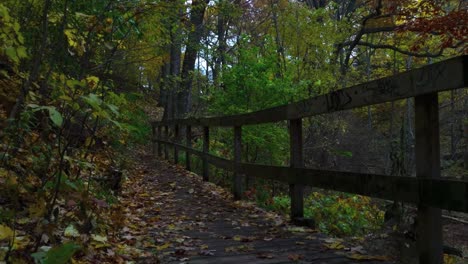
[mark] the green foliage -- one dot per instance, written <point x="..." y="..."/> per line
<point x="343" y="214"/>
<point x="57" y="255"/>
<point x="252" y="83"/>
<point x="54" y="115"/>
<point x="336" y="213"/>
<point x="11" y="39"/>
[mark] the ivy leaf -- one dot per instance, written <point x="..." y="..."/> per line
<point x="93" y="100"/>
<point x="55" y="116"/>
<point x="22" y="53"/>
<point x="11" y="54"/>
<point x="61" y="254"/>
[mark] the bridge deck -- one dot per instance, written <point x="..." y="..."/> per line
<point x="192" y="221"/>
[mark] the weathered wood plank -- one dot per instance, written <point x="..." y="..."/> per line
<point x="427" y="151"/>
<point x="443" y="193"/>
<point x="296" y="191"/>
<point x="237" y="178"/>
<point x="442" y="76"/>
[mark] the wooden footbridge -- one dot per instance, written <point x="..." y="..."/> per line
<point x="427" y="190"/>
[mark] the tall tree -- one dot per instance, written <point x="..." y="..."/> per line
<point x="195" y="27"/>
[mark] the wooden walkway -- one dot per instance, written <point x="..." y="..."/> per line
<point x="198" y="222"/>
<point x="430" y="192"/>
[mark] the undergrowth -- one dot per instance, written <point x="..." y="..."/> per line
<point x="337" y="214"/>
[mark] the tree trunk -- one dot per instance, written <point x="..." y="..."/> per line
<point x="196" y="29"/>
<point x="279" y="47"/>
<point x="220" y="54"/>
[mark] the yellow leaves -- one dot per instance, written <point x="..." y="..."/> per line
<point x="11" y="180"/>
<point x="6" y="232"/>
<point x="380" y="22"/>
<point x="21" y="242"/>
<point x="242" y="248"/>
<point x="358" y="256"/>
<point x="334" y="245"/>
<point x="75" y="41"/>
<point x="37" y="209"/>
<point x="448" y="259"/>
<point x="92" y="81"/>
<point x="164" y="246"/>
<point x="89" y="141"/>
<point x="244" y="238"/>
<point x="11" y="39"/>
<point x="99" y="241"/>
<point x="8" y="178"/>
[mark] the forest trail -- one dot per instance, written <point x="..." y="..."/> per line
<point x="174" y="214"/>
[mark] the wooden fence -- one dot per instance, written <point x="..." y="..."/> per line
<point x="427" y="190"/>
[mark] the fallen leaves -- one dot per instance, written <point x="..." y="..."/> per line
<point x="244" y="238"/>
<point x="241" y="248"/>
<point x="295" y="257"/>
<point x="155" y="218"/>
<point x="164" y="246"/>
<point x="334" y="245"/>
<point x="6" y="232"/>
<point x="357" y="256"/>
<point x="71" y="231"/>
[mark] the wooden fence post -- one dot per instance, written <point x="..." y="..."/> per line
<point x="176" y="140"/>
<point x="160" y="137"/>
<point x="166" y="138"/>
<point x="237" y="178"/>
<point x="296" y="191"/>
<point x="206" y="149"/>
<point x="188" y="139"/>
<point x="429" y="219"/>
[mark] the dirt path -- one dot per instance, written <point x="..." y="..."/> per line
<point x="174" y="215"/>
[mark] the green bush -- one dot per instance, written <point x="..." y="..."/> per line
<point x="336" y="214"/>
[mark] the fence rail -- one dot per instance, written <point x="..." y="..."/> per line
<point x="428" y="190"/>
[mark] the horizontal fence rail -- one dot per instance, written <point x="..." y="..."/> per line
<point x="433" y="78"/>
<point x="427" y="190"/>
<point x="447" y="194"/>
